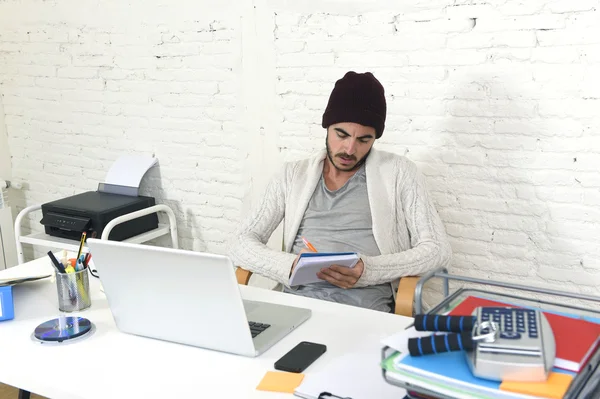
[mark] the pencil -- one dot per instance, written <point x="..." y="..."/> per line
<point x="309" y="245"/>
<point x="83" y="235"/>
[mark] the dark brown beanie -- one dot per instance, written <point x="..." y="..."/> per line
<point x="358" y="98"/>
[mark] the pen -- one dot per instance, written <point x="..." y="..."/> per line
<point x="87" y="259"/>
<point x="58" y="266"/>
<point x="83" y="236"/>
<point x="309" y="245"/>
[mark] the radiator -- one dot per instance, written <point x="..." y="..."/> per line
<point x="8" y="248"/>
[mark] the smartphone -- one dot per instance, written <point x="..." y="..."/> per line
<point x="300" y="357"/>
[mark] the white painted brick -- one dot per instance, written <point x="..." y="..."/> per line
<point x="530" y="160"/>
<point x="371" y="59"/>
<point x="470" y="247"/>
<point x="465" y="157"/>
<point x="29" y="59"/>
<point x="471" y="11"/>
<point x="411" y="74"/>
<point x="511" y="252"/>
<point x="471" y="90"/>
<point x="395" y="42"/>
<point x="472" y="233"/>
<point x="558" y="195"/>
<point x="590" y="86"/>
<point x="510" y="237"/>
<point x="582" y="20"/>
<point x="526" y="224"/>
<point x="555" y="55"/>
<point x="490" y="73"/>
<point x="12" y="94"/>
<point x="305" y="60"/>
<point x="29" y="70"/>
<point x="302" y="88"/>
<point x="92" y="60"/>
<point x="491" y="108"/>
<point x="483" y="204"/>
<point x="493" y="39"/>
<point x="569" y="245"/>
<point x="425" y="14"/>
<point x="32" y="48"/>
<point x="591" y="197"/>
<point x="496" y="142"/>
<point x="434" y="26"/>
<point x="296" y="46"/>
<point x="215" y="60"/>
<point x="568" y="37"/>
<point x="577" y="108"/>
<point x="540" y="126"/>
<point x="565" y="6"/>
<point x="70" y="84"/>
<point x="16" y="36"/>
<point x="500" y="56"/>
<point x="453" y="215"/>
<point x="400" y="106"/>
<point x="78" y="72"/>
<point x="446" y="57"/>
<point x="458" y="124"/>
<point x="574" y="212"/>
<point x="527" y="22"/>
<point x="520" y="7"/>
<point x="583" y="145"/>
<point x="575" y="276"/>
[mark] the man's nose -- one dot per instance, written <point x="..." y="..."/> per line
<point x="351" y="149"/>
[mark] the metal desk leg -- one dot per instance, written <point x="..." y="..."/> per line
<point x="24" y="394"/>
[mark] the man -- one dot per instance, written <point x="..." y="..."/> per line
<point x="349" y="197"/>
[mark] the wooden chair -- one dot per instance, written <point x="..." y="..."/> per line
<point x="404" y="297"/>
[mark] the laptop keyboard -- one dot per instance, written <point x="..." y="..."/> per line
<point x="257" y="328"/>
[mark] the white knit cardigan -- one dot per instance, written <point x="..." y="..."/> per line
<point x="407" y="229"/>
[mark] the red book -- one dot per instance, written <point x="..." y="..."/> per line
<point x="575" y="338"/>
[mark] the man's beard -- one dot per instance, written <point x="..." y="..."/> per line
<point x="343" y="154"/>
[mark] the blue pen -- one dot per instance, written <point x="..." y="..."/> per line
<point x="56" y="263"/>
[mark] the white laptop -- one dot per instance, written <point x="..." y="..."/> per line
<point x="187" y="297"/>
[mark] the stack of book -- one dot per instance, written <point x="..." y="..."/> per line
<point x="447" y="375"/>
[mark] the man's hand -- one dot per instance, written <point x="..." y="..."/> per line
<point x="341" y="276"/>
<point x="303" y="250"/>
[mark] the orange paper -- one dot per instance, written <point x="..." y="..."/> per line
<point x="280" y="381"/>
<point x="554" y="387"/>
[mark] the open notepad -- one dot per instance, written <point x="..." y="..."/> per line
<point x="309" y="264"/>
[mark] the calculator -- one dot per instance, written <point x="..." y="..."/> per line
<point x="511" y="344"/>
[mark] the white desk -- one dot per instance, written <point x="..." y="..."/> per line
<point x="111" y="364"/>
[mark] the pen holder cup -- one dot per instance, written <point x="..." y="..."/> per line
<point x="73" y="291"/>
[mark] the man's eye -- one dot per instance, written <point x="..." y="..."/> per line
<point x="364" y="141"/>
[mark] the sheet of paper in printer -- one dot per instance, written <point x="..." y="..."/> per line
<point x="129" y="170"/>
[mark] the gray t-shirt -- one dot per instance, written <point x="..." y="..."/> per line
<point x="340" y="221"/>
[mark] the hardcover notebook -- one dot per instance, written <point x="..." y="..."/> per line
<point x="575" y="338"/>
<point x="309" y="264"/>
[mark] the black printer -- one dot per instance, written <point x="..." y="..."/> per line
<point x="92" y="211"/>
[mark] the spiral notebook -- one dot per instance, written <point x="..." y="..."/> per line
<point x="310" y="263"/>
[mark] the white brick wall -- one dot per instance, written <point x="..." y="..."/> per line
<point x="497" y="102"/>
<point x="79" y="91"/>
